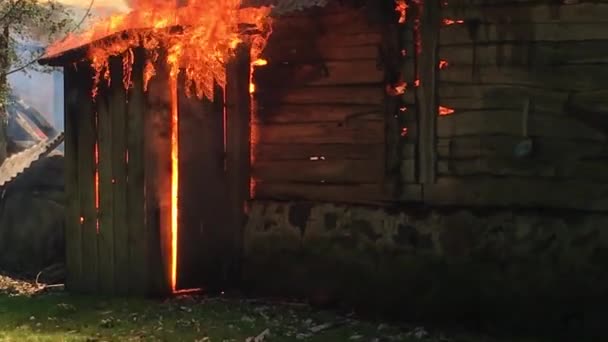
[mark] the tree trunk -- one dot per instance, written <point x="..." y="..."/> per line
<point x="4" y="65"/>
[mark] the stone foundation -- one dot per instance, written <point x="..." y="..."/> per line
<point x="502" y="269"/>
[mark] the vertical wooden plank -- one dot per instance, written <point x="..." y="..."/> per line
<point x="106" y="210"/>
<point x="195" y="159"/>
<point x="86" y="175"/>
<point x="139" y="260"/>
<point x="118" y="110"/>
<point x="428" y="66"/>
<point x="157" y="159"/>
<point x="73" y="234"/>
<point x="238" y="131"/>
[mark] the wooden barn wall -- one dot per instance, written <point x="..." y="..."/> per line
<point x="113" y="242"/>
<point x="319" y="130"/>
<point x="521" y="70"/>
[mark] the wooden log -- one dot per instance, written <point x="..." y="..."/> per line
<point x="510" y="123"/>
<point x="73" y="232"/>
<point x="595" y="171"/>
<point x="517" y="193"/>
<point x="546" y="149"/>
<point x="428" y="106"/>
<point x="298" y="50"/>
<point x="351" y="193"/>
<point x="486" y="33"/>
<point x="118" y="183"/>
<point x="534" y="12"/>
<point x="331" y="171"/>
<point x="501" y="97"/>
<point x="344" y="20"/>
<point x="107" y="271"/>
<point x="318" y="113"/>
<point x="282" y="152"/>
<point x="353" y="72"/>
<point x="141" y="266"/>
<point x="322" y="133"/>
<point x="359" y="95"/>
<point x="564" y="77"/>
<point x="86" y="177"/>
<point x="497" y="167"/>
<point x="527" y="53"/>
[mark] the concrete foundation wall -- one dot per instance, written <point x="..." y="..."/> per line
<point x="514" y="270"/>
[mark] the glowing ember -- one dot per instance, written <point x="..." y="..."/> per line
<point x="259" y="62"/>
<point x="447" y="21"/>
<point x="445" y="111"/>
<point x="401" y="8"/>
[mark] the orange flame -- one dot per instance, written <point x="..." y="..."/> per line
<point x="401" y="8"/>
<point x="174" y="179"/>
<point x="445" y="111"/>
<point x="208" y="31"/>
<point x="447" y="21"/>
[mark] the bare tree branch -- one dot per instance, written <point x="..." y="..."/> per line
<point x="34" y="60"/>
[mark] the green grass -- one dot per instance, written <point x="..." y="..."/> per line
<point x="61" y="317"/>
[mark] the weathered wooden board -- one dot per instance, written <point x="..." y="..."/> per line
<point x="107" y="272"/>
<point x="343" y="20"/>
<point x="118" y="182"/>
<point x="142" y="268"/>
<point x="352" y="72"/>
<point x="73" y="231"/>
<point x="510" y="123"/>
<point x="527" y="53"/>
<point x="354" y="95"/>
<point x="595" y="171"/>
<point x="331" y="171"/>
<point x="86" y="171"/>
<point x="535" y="12"/>
<point x="322" y="133"/>
<point x="428" y="69"/>
<point x="484" y="33"/>
<point x="302" y="49"/>
<point x="517" y="192"/>
<point x="281" y="152"/>
<point x="157" y="151"/>
<point x="318" y="113"/>
<point x="563" y="77"/>
<point x="238" y="154"/>
<point x="464" y="97"/>
<point x="356" y="193"/>
<point x="202" y="188"/>
<point x="497" y="167"/>
<point x="503" y="146"/>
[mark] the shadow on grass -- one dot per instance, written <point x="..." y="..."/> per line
<point x="62" y="317"/>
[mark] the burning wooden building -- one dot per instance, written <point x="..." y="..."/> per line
<point x="437" y="150"/>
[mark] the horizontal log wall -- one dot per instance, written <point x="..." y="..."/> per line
<point x="320" y="123"/>
<point x="518" y="70"/>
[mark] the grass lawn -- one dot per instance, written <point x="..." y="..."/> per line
<point x="62" y="317"/>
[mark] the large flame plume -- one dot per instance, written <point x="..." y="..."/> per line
<point x="200" y="36"/>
